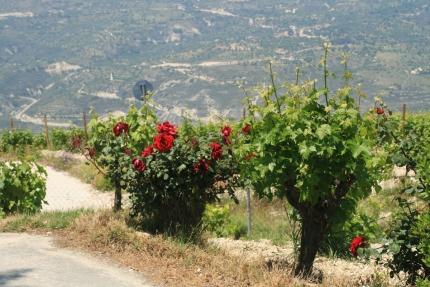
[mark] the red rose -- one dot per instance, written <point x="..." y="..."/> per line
<point x="357" y="243"/>
<point x="139" y="164"/>
<point x="163" y="142"/>
<point x="202" y="165"/>
<point x="379" y="111"/>
<point x="248" y="157"/>
<point x="420" y="210"/>
<point x="91" y="152"/>
<point x="76" y="141"/>
<point x="226" y="131"/>
<point x="247" y="129"/>
<point x="167" y="128"/>
<point x="148" y="151"/>
<point x="216" y="150"/>
<point x="195" y="141"/>
<point x="128" y="151"/>
<point x="120" y="127"/>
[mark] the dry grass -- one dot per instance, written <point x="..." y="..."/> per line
<point x="169" y="262"/>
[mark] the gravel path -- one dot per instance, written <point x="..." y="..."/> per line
<point x="66" y="192"/>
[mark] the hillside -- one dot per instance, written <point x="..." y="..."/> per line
<point x="70" y="55"/>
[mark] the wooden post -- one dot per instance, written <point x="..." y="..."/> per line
<point x="359" y="102"/>
<point x="84" y="119"/>
<point x="12" y="128"/>
<point x="403" y="117"/>
<point x="48" y="143"/>
<point x="248" y="192"/>
<point x="118" y="196"/>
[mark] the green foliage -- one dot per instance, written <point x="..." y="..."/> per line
<point x="406" y="239"/>
<point x="39" y="141"/>
<point x="421" y="230"/>
<point x="15" y="140"/>
<point x="60" y="138"/>
<point x="404" y="245"/>
<point x="216" y="219"/>
<point x="301" y="140"/>
<point x="22" y="187"/>
<point x="297" y="138"/>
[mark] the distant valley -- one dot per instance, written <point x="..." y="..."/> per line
<point x="60" y="58"/>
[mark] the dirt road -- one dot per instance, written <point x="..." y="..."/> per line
<point x="65" y="192"/>
<point x="32" y="261"/>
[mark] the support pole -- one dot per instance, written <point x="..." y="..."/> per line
<point x="403" y="117"/>
<point x="48" y="143"/>
<point x="248" y="204"/>
<point x="248" y="193"/>
<point x="12" y="128"/>
<point x="84" y="119"/>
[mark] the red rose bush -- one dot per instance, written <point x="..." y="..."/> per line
<point x="172" y="172"/>
<point x="180" y="172"/>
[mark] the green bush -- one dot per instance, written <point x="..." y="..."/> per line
<point x="421" y="230"/>
<point x="60" y="138"/>
<point x="22" y="187"/>
<point x="216" y="219"/>
<point x="406" y="239"/>
<point x="16" y="139"/>
<point x="39" y="141"/>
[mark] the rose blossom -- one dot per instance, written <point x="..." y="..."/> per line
<point x="195" y="141"/>
<point x="357" y="243"/>
<point x="202" y="165"/>
<point x="139" y="164"/>
<point x="226" y="131"/>
<point x="163" y="142"/>
<point x="379" y="111"/>
<point x="246" y="129"/>
<point x="128" y="151"/>
<point x="148" y="151"/>
<point x="91" y="151"/>
<point x="120" y="127"/>
<point x="248" y="157"/>
<point x="216" y="150"/>
<point x="167" y="128"/>
<point x="76" y="141"/>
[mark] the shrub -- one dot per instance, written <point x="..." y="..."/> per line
<point x="60" y="138"/>
<point x="216" y="219"/>
<point x="181" y="175"/>
<point x="22" y="187"/>
<point x="172" y="172"/>
<point x="16" y="139"/>
<point x="406" y="240"/>
<point x="314" y="148"/>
